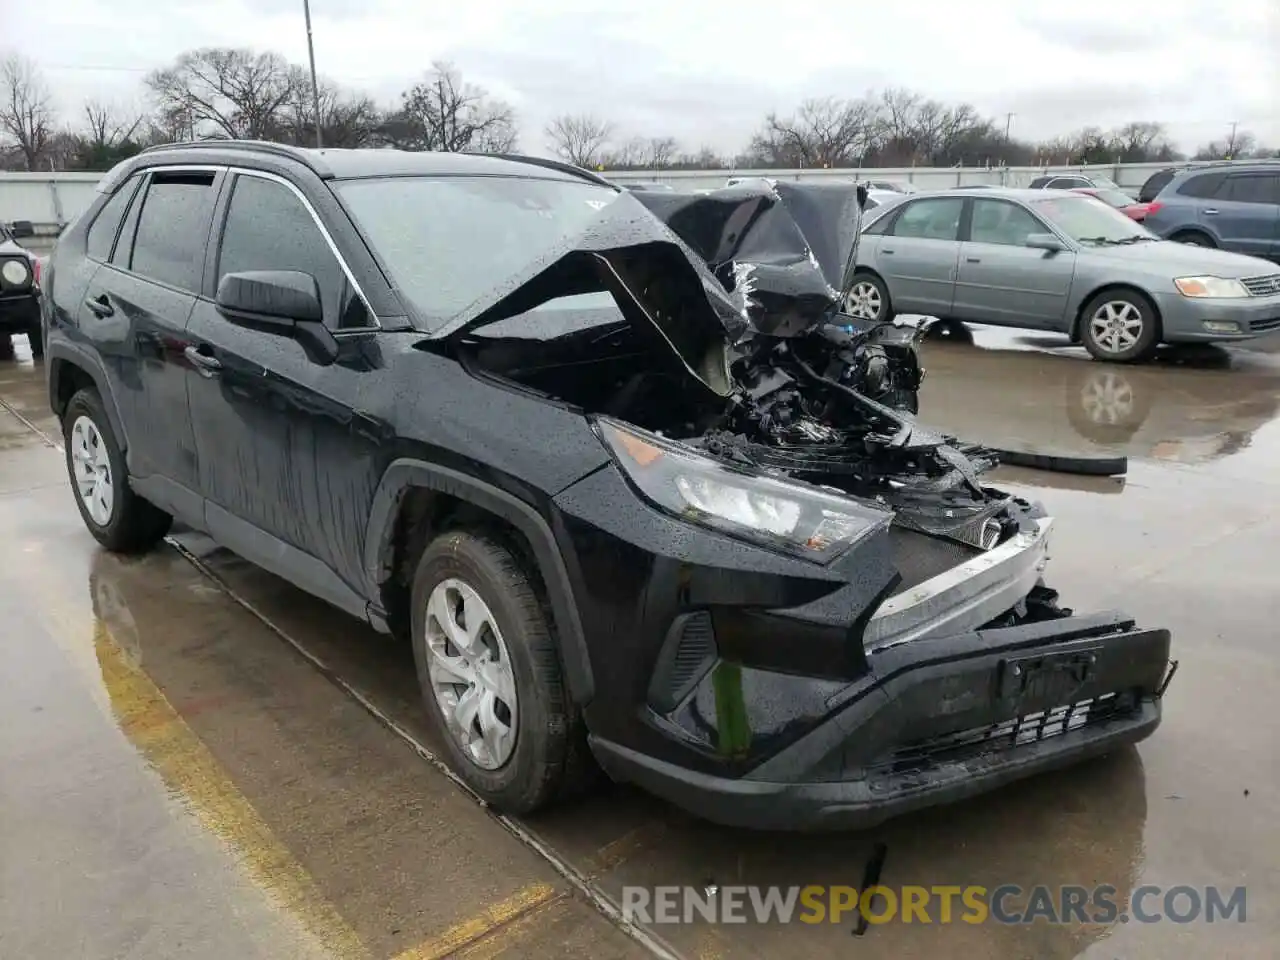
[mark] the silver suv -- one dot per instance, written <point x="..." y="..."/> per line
<point x="1236" y="208"/>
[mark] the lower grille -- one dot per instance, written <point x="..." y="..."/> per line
<point x="1262" y="286"/>
<point x="1261" y="326"/>
<point x="976" y="742"/>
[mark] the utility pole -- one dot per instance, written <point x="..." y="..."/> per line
<point x="315" y="86"/>
<point x="1231" y="144"/>
<point x="1008" y="124"/>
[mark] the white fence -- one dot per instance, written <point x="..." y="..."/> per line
<point x="47" y="199"/>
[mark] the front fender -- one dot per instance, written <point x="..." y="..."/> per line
<point x="407" y="474"/>
<point x="61" y="354"/>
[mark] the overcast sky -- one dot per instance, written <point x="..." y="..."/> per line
<point x="707" y="71"/>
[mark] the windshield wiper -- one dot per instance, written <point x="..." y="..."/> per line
<point x="1103" y="240"/>
<point x="1137" y="239"/>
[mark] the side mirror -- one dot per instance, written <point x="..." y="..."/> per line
<point x="281" y="302"/>
<point x="1044" y="241"/>
<point x="22" y="229"/>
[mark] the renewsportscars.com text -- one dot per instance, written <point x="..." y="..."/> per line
<point x="944" y="904"/>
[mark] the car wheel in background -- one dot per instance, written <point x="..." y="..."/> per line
<point x="118" y="518"/>
<point x="35" y="338"/>
<point x="1194" y="238"/>
<point x="490" y="673"/>
<point x="1120" y="326"/>
<point x="868" y="299"/>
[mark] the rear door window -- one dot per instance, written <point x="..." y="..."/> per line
<point x="1252" y="188"/>
<point x="999" y="221"/>
<point x="937" y="219"/>
<point x="173" y="229"/>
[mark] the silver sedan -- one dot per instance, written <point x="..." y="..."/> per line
<point x="1050" y="260"/>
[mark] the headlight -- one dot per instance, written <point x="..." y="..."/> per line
<point x="1210" y="288"/>
<point x="788" y="516"/>
<point x="15" y="272"/>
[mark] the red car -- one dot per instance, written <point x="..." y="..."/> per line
<point x="1121" y="201"/>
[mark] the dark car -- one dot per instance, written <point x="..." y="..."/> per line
<point x="611" y="461"/>
<point x="19" y="288"/>
<point x="1235" y="207"/>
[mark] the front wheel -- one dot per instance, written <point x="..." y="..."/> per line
<point x="117" y="517"/>
<point x="1120" y="326"/>
<point x="1195" y="239"/>
<point x="868" y="299"/>
<point x="490" y="674"/>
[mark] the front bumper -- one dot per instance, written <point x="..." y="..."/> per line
<point x="1184" y="318"/>
<point x="936" y="720"/>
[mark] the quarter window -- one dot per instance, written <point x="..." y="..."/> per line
<point x="105" y="226"/>
<point x="1204" y="186"/>
<point x="173" y="226"/>
<point x="930" y="219"/>
<point x="269" y="228"/>
<point x="998" y="221"/>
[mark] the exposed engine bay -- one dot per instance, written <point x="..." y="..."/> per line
<point x="729" y="337"/>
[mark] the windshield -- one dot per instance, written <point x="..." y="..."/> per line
<point x="1114" y="197"/>
<point x="1105" y="183"/>
<point x="1087" y="220"/>
<point x="448" y="241"/>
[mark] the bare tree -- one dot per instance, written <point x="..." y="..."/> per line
<point x="826" y="132"/>
<point x="579" y="138"/>
<point x="660" y="152"/>
<point x="26" y="114"/>
<point x="107" y="127"/>
<point x="226" y="91"/>
<point x="444" y="113"/>
<point x="1239" y="145"/>
<point x="345" y="120"/>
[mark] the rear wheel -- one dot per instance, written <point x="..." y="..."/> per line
<point x="490" y="674"/>
<point x="118" y="518"/>
<point x="1120" y="326"/>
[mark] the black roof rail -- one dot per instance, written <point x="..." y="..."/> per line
<point x="549" y="164"/>
<point x="301" y="154"/>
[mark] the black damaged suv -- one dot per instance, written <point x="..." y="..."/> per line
<point x="613" y="462"/>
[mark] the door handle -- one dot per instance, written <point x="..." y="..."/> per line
<point x="1210" y="211"/>
<point x="99" y="306"/>
<point x="972" y="259"/>
<point x="886" y="252"/>
<point x="205" y="365"/>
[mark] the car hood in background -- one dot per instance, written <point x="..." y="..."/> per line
<point x="1186" y="260"/>
<point x="700" y="272"/>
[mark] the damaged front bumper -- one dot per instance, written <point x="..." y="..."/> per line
<point x="936" y="720"/>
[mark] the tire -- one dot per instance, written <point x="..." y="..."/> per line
<point x="544" y="756"/>
<point x="1194" y="238"/>
<point x="869" y="299"/>
<point x="123" y="522"/>
<point x="1118" y="343"/>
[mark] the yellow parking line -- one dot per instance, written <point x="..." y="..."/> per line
<point x="496" y="924"/>
<point x="187" y="767"/>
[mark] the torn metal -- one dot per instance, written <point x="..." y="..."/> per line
<point x="735" y="343"/>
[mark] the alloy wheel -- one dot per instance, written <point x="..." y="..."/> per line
<point x="1116" y="326"/>
<point x="471" y="673"/>
<point x="864" y="301"/>
<point x="92" y="467"/>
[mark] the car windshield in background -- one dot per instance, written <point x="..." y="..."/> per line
<point x="1105" y="184"/>
<point x="447" y="241"/>
<point x="1087" y="220"/>
<point x="1114" y="197"/>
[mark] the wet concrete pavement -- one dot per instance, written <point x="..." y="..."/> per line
<point x="177" y="780"/>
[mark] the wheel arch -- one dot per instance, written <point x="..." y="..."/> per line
<point x="416" y="495"/>
<point x="72" y="369"/>
<point x="1078" y="322"/>
<point x="1197" y="230"/>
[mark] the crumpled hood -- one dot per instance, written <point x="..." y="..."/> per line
<point x="699" y="272"/>
<point x="787" y="249"/>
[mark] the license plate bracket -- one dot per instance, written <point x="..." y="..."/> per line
<point x="1045" y="680"/>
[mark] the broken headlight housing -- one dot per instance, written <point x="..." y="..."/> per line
<point x="792" y="517"/>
